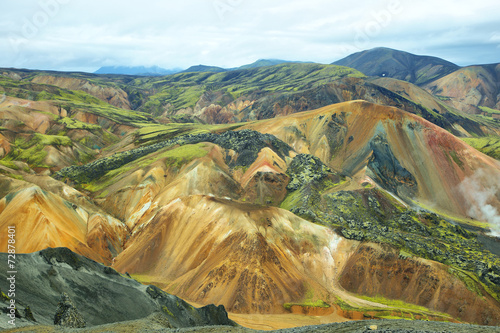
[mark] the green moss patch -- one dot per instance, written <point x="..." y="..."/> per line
<point x="487" y="145"/>
<point x="313" y="304"/>
<point x="396" y="309"/>
<point x="33" y="152"/>
<point x="72" y="123"/>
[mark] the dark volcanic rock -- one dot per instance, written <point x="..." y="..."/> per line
<point x="67" y="314"/>
<point x="246" y="143"/>
<point x="304" y="169"/>
<point x="388" y="171"/>
<point x="102" y="295"/>
<point x="28" y="314"/>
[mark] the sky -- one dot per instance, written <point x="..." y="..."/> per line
<point x="77" y="35"/>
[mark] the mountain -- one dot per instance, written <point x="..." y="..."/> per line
<point x="296" y="188"/>
<point x="472" y="89"/>
<point x="259" y="93"/>
<point x="266" y="62"/>
<point x="385" y="62"/>
<point x="203" y="69"/>
<point x="256" y="64"/>
<point x="111" y="302"/>
<point x="137" y="70"/>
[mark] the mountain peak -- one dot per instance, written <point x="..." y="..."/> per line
<point x="387" y="62"/>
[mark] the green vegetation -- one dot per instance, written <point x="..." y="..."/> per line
<point x="183" y="90"/>
<point x="33" y="150"/>
<point x="9" y="164"/>
<point x="313" y="304"/>
<point x="167" y="311"/>
<point x="487" y="145"/>
<point x="4" y="297"/>
<point x="72" y="123"/>
<point x="40" y="92"/>
<point x="120" y="116"/>
<point x="396" y="309"/>
<point x="395" y="303"/>
<point x="489" y="110"/>
<point x="11" y="175"/>
<point x="174" y="158"/>
<point x="456" y="159"/>
<point x="156" y="132"/>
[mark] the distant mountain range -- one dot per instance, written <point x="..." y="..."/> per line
<point x="158" y="71"/>
<point x="380" y="61"/>
<point x="137" y="70"/>
<point x="257" y="64"/>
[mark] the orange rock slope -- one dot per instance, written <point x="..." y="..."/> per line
<point x="341" y="134"/>
<point x="44" y="219"/>
<point x="470" y="87"/>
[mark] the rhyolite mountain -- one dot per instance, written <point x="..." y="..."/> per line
<point x="300" y="188"/>
<point x="472" y="89"/>
<point x="386" y="62"/>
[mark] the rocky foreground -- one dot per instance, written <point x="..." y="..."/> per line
<point x="155" y="323"/>
<point x="61" y="291"/>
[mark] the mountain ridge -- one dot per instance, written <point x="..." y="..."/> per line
<point x="398" y="64"/>
<point x="137" y="70"/>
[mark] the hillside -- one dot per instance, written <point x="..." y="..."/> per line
<point x="100" y="294"/>
<point x="258" y="93"/>
<point x="276" y="190"/>
<point x="470" y="88"/>
<point x="385" y="62"/>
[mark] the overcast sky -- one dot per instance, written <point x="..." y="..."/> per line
<point x="85" y="35"/>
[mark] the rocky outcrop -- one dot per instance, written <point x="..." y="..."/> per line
<point x="67" y="314"/>
<point x="387" y="171"/>
<point x="247" y="145"/>
<point x="93" y="294"/>
<point x="305" y="169"/>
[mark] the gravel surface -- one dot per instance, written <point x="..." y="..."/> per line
<point x="375" y="326"/>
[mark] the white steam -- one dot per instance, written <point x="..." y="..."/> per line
<point x="482" y="192"/>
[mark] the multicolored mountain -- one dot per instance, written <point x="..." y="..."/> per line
<point x="271" y="190"/>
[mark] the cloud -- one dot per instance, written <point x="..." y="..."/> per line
<point x="69" y="34"/>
